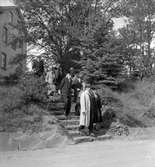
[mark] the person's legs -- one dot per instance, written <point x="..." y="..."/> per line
<point x="75" y="94"/>
<point x="90" y="128"/>
<point x="68" y="106"/>
<point x="77" y="109"/>
<point x="64" y="99"/>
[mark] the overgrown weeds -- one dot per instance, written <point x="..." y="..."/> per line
<point x="19" y="102"/>
<point x="136" y="107"/>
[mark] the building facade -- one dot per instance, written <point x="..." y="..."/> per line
<point x="12" y="37"/>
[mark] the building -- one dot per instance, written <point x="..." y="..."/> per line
<point x="12" y="41"/>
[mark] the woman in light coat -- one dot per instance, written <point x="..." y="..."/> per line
<point x="86" y="112"/>
<point x="50" y="80"/>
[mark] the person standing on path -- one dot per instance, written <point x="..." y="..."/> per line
<point x="76" y="85"/>
<point x="50" y="80"/>
<point x="65" y="88"/>
<point x="87" y="107"/>
<point x="97" y="109"/>
<point x="58" y="76"/>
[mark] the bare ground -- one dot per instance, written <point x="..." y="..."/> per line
<point x="113" y="153"/>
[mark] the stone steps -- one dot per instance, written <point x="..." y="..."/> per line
<point x="70" y="122"/>
<point x="53" y="108"/>
<point x="71" y="125"/>
<point x="73" y="133"/>
<point x="58" y="112"/>
<point x="82" y="139"/>
<point x="61" y="117"/>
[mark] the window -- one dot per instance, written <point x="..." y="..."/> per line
<point x="3" y="61"/>
<point x="5" y="35"/>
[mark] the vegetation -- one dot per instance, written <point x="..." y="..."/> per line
<point x="80" y="33"/>
<point x="20" y="104"/>
<point x="138" y="34"/>
<point x="135" y="107"/>
<point x="76" y="33"/>
<point x="34" y="89"/>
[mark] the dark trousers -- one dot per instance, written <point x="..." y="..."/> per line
<point x="67" y="105"/>
<point x="90" y="127"/>
<point x="77" y="109"/>
<point x="75" y="94"/>
<point x="91" y="121"/>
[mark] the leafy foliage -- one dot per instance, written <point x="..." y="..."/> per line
<point x="11" y="98"/>
<point x="138" y="35"/>
<point x="34" y="89"/>
<point x="66" y="28"/>
<point x="80" y="33"/>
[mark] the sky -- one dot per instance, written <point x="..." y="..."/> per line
<point x="7" y="3"/>
<point x="119" y="22"/>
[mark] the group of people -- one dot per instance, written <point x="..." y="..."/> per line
<point x="90" y="108"/>
<point x="53" y="77"/>
<point x="87" y="101"/>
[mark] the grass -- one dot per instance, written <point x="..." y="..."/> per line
<point x="27" y="118"/>
<point x="19" y="107"/>
<point x="136" y="107"/>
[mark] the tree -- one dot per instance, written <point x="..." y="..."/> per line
<point x="139" y="32"/>
<point x="101" y="58"/>
<point x="54" y="25"/>
<point x="62" y="27"/>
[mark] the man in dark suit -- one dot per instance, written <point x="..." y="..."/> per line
<point x="65" y="87"/>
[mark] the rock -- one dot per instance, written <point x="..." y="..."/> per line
<point x="81" y="139"/>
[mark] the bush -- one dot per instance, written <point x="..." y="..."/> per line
<point x="16" y="108"/>
<point x="10" y="98"/>
<point x="32" y="109"/>
<point x="28" y="117"/>
<point x="15" y="113"/>
<point x="126" y="86"/>
<point x="30" y="89"/>
<point x="108" y="97"/>
<point x="34" y="88"/>
<point x="131" y="107"/>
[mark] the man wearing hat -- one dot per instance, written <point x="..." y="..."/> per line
<point x="65" y="87"/>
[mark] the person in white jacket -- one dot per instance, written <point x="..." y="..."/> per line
<point x="86" y="115"/>
<point x="50" y="80"/>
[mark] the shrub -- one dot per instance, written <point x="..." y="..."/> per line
<point x="16" y="108"/>
<point x="28" y="117"/>
<point x="32" y="109"/>
<point x="34" y="88"/>
<point x="126" y="85"/>
<point x="129" y="107"/>
<point x="10" y="98"/>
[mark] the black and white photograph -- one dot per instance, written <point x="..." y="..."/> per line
<point x="77" y="83"/>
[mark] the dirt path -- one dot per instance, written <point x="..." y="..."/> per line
<point x="113" y="153"/>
